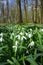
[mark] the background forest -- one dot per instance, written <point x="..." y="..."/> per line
<point x="22" y="43"/>
<point x="18" y="11"/>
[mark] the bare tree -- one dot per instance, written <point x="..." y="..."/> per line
<point x="41" y="11"/>
<point x="32" y="9"/>
<point x="7" y="4"/>
<point x="26" y="8"/>
<point x="20" y="11"/>
<point x="36" y="1"/>
<point x="2" y="9"/>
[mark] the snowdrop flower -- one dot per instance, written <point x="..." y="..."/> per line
<point x="30" y="29"/>
<point x="11" y="35"/>
<point x="27" y="52"/>
<point x="30" y="35"/>
<point x="26" y="34"/>
<point x="21" y="33"/>
<point x="1" y="39"/>
<point x="41" y="30"/>
<point x="31" y="44"/>
<point x="23" y="37"/>
<point x="18" y="36"/>
<point x="15" y="46"/>
<point x="16" y="43"/>
<point x="1" y="34"/>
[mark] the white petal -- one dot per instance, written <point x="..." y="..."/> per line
<point x="13" y="34"/>
<point x="13" y="46"/>
<point x="1" y="39"/>
<point x="23" y="37"/>
<point x="26" y="34"/>
<point x="41" y="30"/>
<point x="31" y="44"/>
<point x="30" y="29"/>
<point x="16" y="43"/>
<point x="18" y="36"/>
<point x="1" y="34"/>
<point x="21" y="33"/>
<point x="30" y="35"/>
<point x="27" y="52"/>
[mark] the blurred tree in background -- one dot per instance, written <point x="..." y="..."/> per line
<point x="18" y="11"/>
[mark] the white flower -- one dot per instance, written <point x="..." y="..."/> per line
<point x="15" y="46"/>
<point x="1" y="34"/>
<point x="16" y="43"/>
<point x="21" y="33"/>
<point x="27" y="52"/>
<point x="31" y="44"/>
<point x="12" y="34"/>
<point x="30" y="35"/>
<point x="1" y="39"/>
<point x="23" y="37"/>
<point x="41" y="30"/>
<point x="18" y="36"/>
<point x="30" y="29"/>
<point x="26" y="34"/>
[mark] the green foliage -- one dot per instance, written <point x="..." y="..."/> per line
<point x="21" y="44"/>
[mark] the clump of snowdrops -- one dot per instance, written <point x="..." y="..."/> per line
<point x="23" y="45"/>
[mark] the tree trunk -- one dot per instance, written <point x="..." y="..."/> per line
<point x="36" y="11"/>
<point x="7" y="4"/>
<point x="32" y="12"/>
<point x="20" y="11"/>
<point x="3" y="11"/>
<point x="42" y="11"/>
<point x="25" y="8"/>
